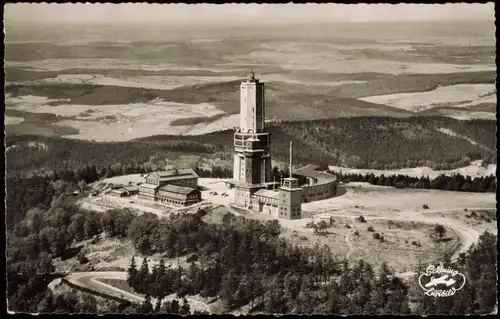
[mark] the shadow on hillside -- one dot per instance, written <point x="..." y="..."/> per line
<point x="71" y="252"/>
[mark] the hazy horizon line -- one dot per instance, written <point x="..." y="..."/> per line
<point x="216" y="24"/>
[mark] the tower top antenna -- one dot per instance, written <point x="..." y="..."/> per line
<point x="252" y="73"/>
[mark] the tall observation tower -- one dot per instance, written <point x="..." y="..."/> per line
<point x="252" y="160"/>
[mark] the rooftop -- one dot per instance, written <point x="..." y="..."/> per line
<point x="118" y="191"/>
<point x="311" y="171"/>
<point x="176" y="189"/>
<point x="149" y="186"/>
<point x="173" y="174"/>
<point x="267" y="193"/>
<point x="131" y="188"/>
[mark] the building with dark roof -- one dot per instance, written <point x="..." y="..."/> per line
<point x="178" y="195"/>
<point x="175" y="187"/>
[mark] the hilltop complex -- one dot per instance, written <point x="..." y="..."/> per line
<point x="252" y="179"/>
<point x="175" y="187"/>
<point x="252" y="182"/>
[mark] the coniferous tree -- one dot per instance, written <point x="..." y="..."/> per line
<point x="143" y="276"/>
<point x="132" y="274"/>
<point x="146" y="306"/>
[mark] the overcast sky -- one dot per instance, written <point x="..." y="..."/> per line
<point x="242" y="13"/>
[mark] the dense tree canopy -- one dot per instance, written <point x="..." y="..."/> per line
<point x="361" y="142"/>
<point x="243" y="261"/>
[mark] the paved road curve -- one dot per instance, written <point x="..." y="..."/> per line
<point x="91" y="280"/>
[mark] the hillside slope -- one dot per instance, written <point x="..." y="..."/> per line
<point x="364" y="142"/>
<point x="374" y="142"/>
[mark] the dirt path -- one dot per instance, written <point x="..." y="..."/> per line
<point x="349" y="245"/>
<point x="468" y="236"/>
<point x="91" y="280"/>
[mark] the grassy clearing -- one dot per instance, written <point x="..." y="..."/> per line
<point x="405" y="83"/>
<point x="419" y="101"/>
<point x="284" y="100"/>
<point x="41" y="129"/>
<point x="481" y="220"/>
<point x="34" y="117"/>
<point x="402" y="245"/>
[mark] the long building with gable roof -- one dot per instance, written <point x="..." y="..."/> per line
<point x="175" y="186"/>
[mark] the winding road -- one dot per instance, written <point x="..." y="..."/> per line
<point x="467" y="235"/>
<point x="90" y="280"/>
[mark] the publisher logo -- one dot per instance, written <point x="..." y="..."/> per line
<point x="441" y="282"/>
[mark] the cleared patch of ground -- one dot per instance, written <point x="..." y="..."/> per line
<point x="111" y="254"/>
<point x="148" y="82"/>
<point x="404" y="244"/>
<point x="124" y="122"/>
<point x="460" y="115"/>
<point x="104" y="64"/>
<point x="452" y="133"/>
<point x="475" y="169"/>
<point x="223" y="123"/>
<point x="490" y="98"/>
<point x="459" y="95"/>
<point x="124" y="179"/>
<point x="366" y="199"/>
<point x="479" y="219"/>
<point x="291" y="78"/>
<point x="10" y="120"/>
<point x="43" y="129"/>
<point x="218" y="186"/>
<point x="104" y="201"/>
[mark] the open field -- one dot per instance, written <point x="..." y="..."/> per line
<point x="479" y="219"/>
<point x="10" y="120"/>
<point x="366" y="199"/>
<point x="204" y="108"/>
<point x="331" y="74"/>
<point x="129" y="121"/>
<point x="460" y="95"/>
<point x="473" y="170"/>
<point x="147" y="82"/>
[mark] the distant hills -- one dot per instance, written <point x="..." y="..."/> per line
<point x="284" y="101"/>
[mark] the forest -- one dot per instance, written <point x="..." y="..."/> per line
<point x="366" y="142"/>
<point x="373" y="142"/>
<point x="457" y="182"/>
<point x="242" y="261"/>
